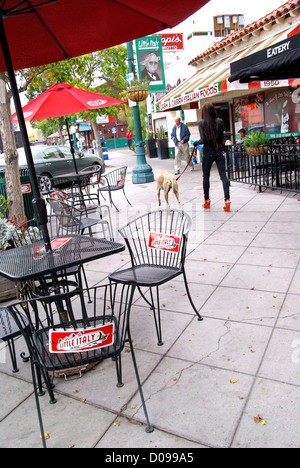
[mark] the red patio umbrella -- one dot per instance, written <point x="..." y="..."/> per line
<point x="46" y="31"/>
<point x="36" y="32"/>
<point x="64" y="99"/>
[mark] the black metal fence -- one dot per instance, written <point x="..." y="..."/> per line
<point x="278" y="169"/>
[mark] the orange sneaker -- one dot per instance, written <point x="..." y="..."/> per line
<point x="206" y="204"/>
<point x="227" y="205"/>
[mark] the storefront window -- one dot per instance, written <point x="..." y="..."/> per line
<point x="282" y="114"/>
<point x="249" y="113"/>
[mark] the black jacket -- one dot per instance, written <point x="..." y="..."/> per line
<point x="208" y="145"/>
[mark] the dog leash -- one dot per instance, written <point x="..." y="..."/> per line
<point x="194" y="153"/>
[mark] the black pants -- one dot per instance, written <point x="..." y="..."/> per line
<point x="208" y="160"/>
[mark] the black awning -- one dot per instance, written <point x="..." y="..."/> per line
<point x="279" y="62"/>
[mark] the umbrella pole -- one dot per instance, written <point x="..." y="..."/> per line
<point x="71" y="145"/>
<point x="38" y="202"/>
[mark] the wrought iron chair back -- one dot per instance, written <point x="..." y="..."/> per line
<point x="93" y="332"/>
<point x="158" y="238"/>
<point x="29" y="232"/>
<point x="157" y="243"/>
<point x="114" y="181"/>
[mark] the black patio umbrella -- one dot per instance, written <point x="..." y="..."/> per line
<point x="36" y="32"/>
<point x="278" y="62"/>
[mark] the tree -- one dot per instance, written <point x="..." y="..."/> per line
<point x="106" y="67"/>
<point x="12" y="176"/>
<point x="104" y="71"/>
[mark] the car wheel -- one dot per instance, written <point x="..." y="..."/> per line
<point x="46" y="183"/>
<point x="96" y="167"/>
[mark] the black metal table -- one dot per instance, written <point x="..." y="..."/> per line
<point x="81" y="179"/>
<point x="32" y="261"/>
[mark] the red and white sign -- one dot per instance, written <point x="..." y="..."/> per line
<point x="121" y="183"/>
<point x="166" y="242"/>
<point x="172" y="42"/>
<point x="80" y="340"/>
<point x="56" y="244"/>
<point x="25" y="188"/>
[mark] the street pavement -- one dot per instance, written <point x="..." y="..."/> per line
<point x="231" y="381"/>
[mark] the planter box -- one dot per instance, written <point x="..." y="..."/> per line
<point x="151" y="148"/>
<point x="8" y="289"/>
<point x="163" y="149"/>
<point x="258" y="151"/>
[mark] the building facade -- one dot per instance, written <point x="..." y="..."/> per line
<point x="271" y="106"/>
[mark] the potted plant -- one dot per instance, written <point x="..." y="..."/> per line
<point x="162" y="144"/>
<point x="151" y="144"/>
<point x="137" y="91"/>
<point x="256" y="144"/>
<point x="7" y="287"/>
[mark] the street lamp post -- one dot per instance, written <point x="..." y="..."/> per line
<point x="142" y="171"/>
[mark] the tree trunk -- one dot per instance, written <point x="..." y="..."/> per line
<point x="12" y="175"/>
<point x="62" y="138"/>
<point x="96" y="136"/>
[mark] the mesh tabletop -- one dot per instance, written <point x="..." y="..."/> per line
<point x="31" y="261"/>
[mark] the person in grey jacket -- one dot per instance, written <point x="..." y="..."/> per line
<point x="181" y="135"/>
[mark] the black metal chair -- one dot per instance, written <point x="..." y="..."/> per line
<point x="81" y="207"/>
<point x="29" y="232"/>
<point x="9" y="330"/>
<point x="89" y="178"/>
<point x="61" y="208"/>
<point x="157" y="243"/>
<point x="91" y="334"/>
<point x="114" y="181"/>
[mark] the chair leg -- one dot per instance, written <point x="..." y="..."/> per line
<point x="118" y="362"/>
<point x="157" y="320"/>
<point x="190" y="297"/>
<point x="12" y="352"/>
<point x="149" y="428"/>
<point x="86" y="283"/>
<point x="126" y="197"/>
<point x="151" y="305"/>
<point x="111" y="201"/>
<point x="37" y="402"/>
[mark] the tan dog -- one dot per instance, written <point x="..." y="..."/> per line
<point x="166" y="181"/>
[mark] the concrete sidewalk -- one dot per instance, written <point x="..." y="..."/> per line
<point x="211" y="379"/>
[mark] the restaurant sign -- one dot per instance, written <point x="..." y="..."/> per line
<point x="172" y="42"/>
<point x="80" y="340"/>
<point x="193" y="96"/>
<point x="165" y="242"/>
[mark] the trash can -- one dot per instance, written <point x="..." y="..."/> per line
<point x="26" y="190"/>
<point x="105" y="153"/>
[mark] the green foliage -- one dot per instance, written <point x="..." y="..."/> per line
<point x="149" y="135"/>
<point x="256" y="139"/>
<point x="107" y="67"/>
<point x="6" y="230"/>
<point x="136" y="85"/>
<point x="161" y="133"/>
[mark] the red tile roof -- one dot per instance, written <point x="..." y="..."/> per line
<point x="255" y="26"/>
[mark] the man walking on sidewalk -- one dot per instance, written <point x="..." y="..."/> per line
<point x="181" y="135"/>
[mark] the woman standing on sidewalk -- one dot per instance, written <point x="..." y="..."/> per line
<point x="211" y="130"/>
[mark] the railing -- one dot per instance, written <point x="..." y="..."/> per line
<point x="278" y="169"/>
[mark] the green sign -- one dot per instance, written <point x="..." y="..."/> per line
<point x="150" y="62"/>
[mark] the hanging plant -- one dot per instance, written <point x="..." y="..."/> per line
<point x="137" y="91"/>
<point x="256" y="144"/>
